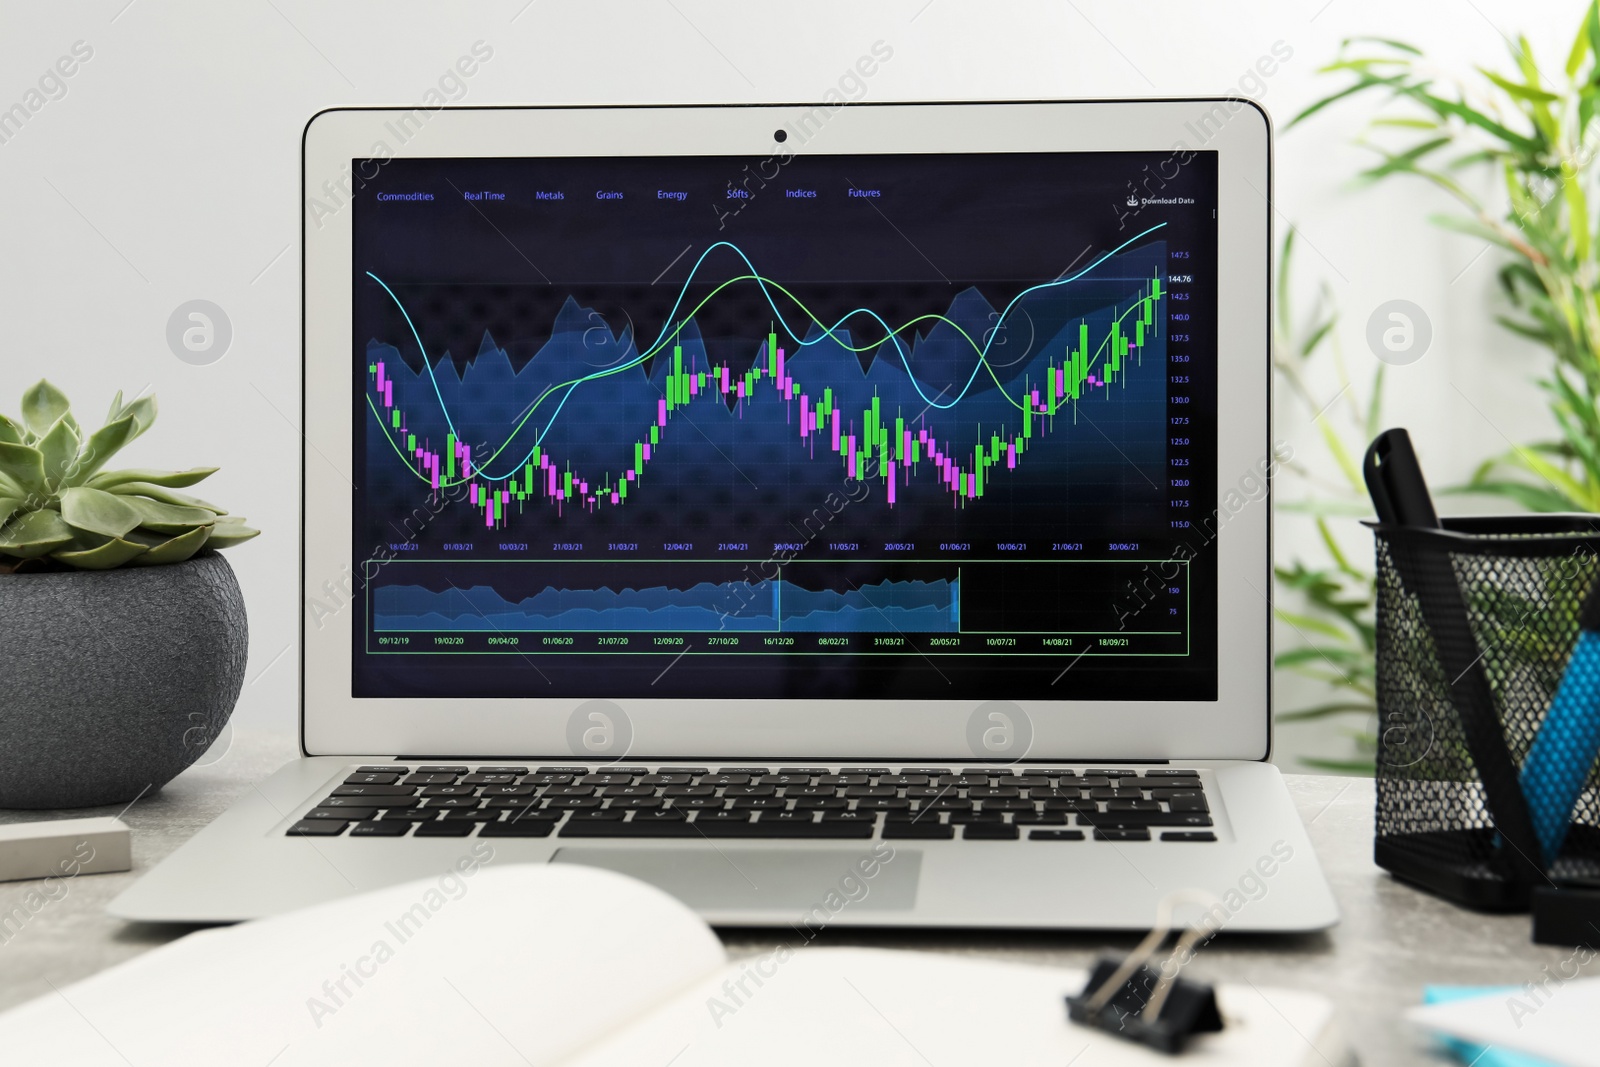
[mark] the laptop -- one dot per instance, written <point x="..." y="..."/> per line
<point x="833" y="515"/>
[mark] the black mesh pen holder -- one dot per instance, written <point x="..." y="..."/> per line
<point x="1475" y="622"/>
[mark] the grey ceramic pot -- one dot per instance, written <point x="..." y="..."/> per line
<point x="111" y="682"/>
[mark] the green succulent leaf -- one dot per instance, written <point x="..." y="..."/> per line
<point x="228" y="534"/>
<point x="98" y="511"/>
<point x="34" y="533"/>
<point x="42" y="406"/>
<point x="101" y="446"/>
<point x="169" y="479"/>
<point x="166" y="496"/>
<point x="143" y="413"/>
<point x="24" y="466"/>
<point x="58" y="449"/>
<point x="175" y="549"/>
<point x="113" y="553"/>
<point x="167" y="518"/>
<point x="57" y="500"/>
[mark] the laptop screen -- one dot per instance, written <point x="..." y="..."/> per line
<point x="837" y="427"/>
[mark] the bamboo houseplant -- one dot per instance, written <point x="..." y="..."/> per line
<point x="125" y="630"/>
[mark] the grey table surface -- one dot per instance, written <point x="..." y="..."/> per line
<point x="1392" y="941"/>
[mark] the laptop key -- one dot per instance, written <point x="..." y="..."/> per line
<point x="442" y="770"/>
<point x="348" y="814"/>
<point x="1056" y="835"/>
<point x="412" y="815"/>
<point x="317" y="828"/>
<point x="430" y="779"/>
<point x="488" y="779"/>
<point x="451" y="828"/>
<point x="374" y="791"/>
<point x="379" y="828"/>
<point x="1188" y="803"/>
<point x="983" y="831"/>
<point x="606" y="815"/>
<point x="1144" y="818"/>
<point x="548" y="779"/>
<point x="863" y="770"/>
<point x="744" y="770"/>
<point x="1133" y="805"/>
<point x="371" y="778"/>
<point x="369" y="802"/>
<point x="927" y="831"/>
<point x="994" y="817"/>
<point x="759" y="803"/>
<point x="449" y="790"/>
<point x="1159" y="783"/>
<point x="689" y="803"/>
<point x="883" y="804"/>
<point x="526" y="828"/>
<point x="903" y="779"/>
<point x="502" y="770"/>
<point x="636" y="803"/>
<point x="659" y="815"/>
<point x="1188" y="835"/>
<point x="724" y="779"/>
<point x="561" y="770"/>
<point x="435" y="803"/>
<point x="1164" y="772"/>
<point x="869" y="791"/>
<point x="1039" y="818"/>
<point x="508" y="790"/>
<point x="384" y="770"/>
<point x="666" y="779"/>
<point x="824" y="803"/>
<point x="1103" y="834"/>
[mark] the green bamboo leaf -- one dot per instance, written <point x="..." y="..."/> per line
<point x="1580" y="48"/>
<point x="42" y="405"/>
<point x="1339" y="657"/>
<point x="1403" y="161"/>
<point x="1390" y="41"/>
<point x="1406" y="123"/>
<point x="168" y="479"/>
<point x="1521" y="92"/>
<point x="167" y="518"/>
<point x="1311" y="622"/>
<point x="1323" y="711"/>
<point x="24" y="466"/>
<point x="166" y="496"/>
<point x="1472" y="117"/>
<point x="98" y="512"/>
<point x="175" y="549"/>
<point x="228" y="534"/>
<point x="114" y="552"/>
<point x="1531" y="497"/>
<point x="34" y="533"/>
<point x="1317" y="336"/>
<point x="1365" y="81"/>
<point x="101" y="446"/>
<point x="57" y="450"/>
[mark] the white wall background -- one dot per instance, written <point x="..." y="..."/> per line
<point x="168" y="172"/>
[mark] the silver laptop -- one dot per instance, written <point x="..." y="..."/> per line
<point x="846" y="515"/>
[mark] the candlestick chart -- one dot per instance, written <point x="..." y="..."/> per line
<point x="1050" y="394"/>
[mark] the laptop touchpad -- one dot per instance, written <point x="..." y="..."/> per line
<point x="756" y="879"/>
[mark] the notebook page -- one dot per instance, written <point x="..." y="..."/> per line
<point x="517" y="964"/>
<point x="908" y="1009"/>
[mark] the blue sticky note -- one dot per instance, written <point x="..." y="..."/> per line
<point x="1466" y="1051"/>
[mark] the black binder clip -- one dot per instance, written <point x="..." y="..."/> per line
<point x="1152" y="1006"/>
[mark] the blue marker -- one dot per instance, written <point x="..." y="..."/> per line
<point x="1562" y="754"/>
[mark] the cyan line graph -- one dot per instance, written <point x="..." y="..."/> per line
<point x="669" y="331"/>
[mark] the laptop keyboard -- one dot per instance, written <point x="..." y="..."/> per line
<point x="928" y="803"/>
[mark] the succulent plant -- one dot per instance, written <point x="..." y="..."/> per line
<point x="59" y="506"/>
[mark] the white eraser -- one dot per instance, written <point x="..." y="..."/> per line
<point x="64" y="848"/>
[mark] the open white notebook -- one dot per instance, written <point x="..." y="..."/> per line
<point x="520" y="964"/>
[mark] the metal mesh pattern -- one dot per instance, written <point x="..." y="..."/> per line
<point x="1520" y="593"/>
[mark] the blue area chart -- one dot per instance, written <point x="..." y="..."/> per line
<point x="772" y="606"/>
<point x="1060" y="392"/>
